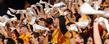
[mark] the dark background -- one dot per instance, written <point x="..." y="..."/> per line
<point x="16" y="4"/>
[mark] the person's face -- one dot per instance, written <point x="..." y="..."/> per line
<point x="73" y="18"/>
<point x="67" y="13"/>
<point x="13" y="35"/>
<point x="33" y="40"/>
<point x="41" y="23"/>
<point x="90" y="40"/>
<point x="56" y="22"/>
<point x="79" y="40"/>
<point x="23" y="30"/>
<point x="68" y="27"/>
<point x="106" y="41"/>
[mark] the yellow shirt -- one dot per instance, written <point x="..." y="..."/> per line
<point x="67" y="38"/>
<point x="55" y="36"/>
<point x="25" y="38"/>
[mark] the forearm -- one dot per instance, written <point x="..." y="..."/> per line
<point x="96" y="35"/>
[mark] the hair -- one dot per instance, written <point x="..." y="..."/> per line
<point x="70" y="12"/>
<point x="62" y="25"/>
<point x="36" y="21"/>
<point x="20" y="41"/>
<point x="36" y="34"/>
<point x="49" y="21"/>
<point x="84" y="36"/>
<point x="41" y="19"/>
<point x="10" y="41"/>
<point x="7" y="24"/>
<point x="68" y="24"/>
<point x="91" y="37"/>
<point x="77" y="15"/>
<point x="103" y="1"/>
<point x="31" y="27"/>
<point x="16" y="33"/>
<point x="18" y="16"/>
<point x="2" y="37"/>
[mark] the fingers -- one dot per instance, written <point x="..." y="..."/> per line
<point x="42" y="10"/>
<point x="37" y="10"/>
<point x="33" y="7"/>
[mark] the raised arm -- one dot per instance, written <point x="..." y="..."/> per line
<point x="96" y="34"/>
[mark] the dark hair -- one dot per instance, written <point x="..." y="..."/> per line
<point x="2" y="37"/>
<point x="70" y="12"/>
<point x="42" y="19"/>
<point x="77" y="15"/>
<point x="16" y="33"/>
<point x="18" y="16"/>
<point x="36" y="34"/>
<point x="68" y="24"/>
<point x="10" y="41"/>
<point x="7" y="24"/>
<point x="103" y="1"/>
<point x="31" y="27"/>
<point x="84" y="36"/>
<point x="20" y="41"/>
<point x="62" y="25"/>
<point x="36" y="21"/>
<point x="49" y="21"/>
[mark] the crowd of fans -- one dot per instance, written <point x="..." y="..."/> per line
<point x="65" y="22"/>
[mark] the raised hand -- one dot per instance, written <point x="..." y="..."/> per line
<point x="40" y="12"/>
<point x="96" y="33"/>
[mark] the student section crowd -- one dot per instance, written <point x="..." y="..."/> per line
<point x="65" y="22"/>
